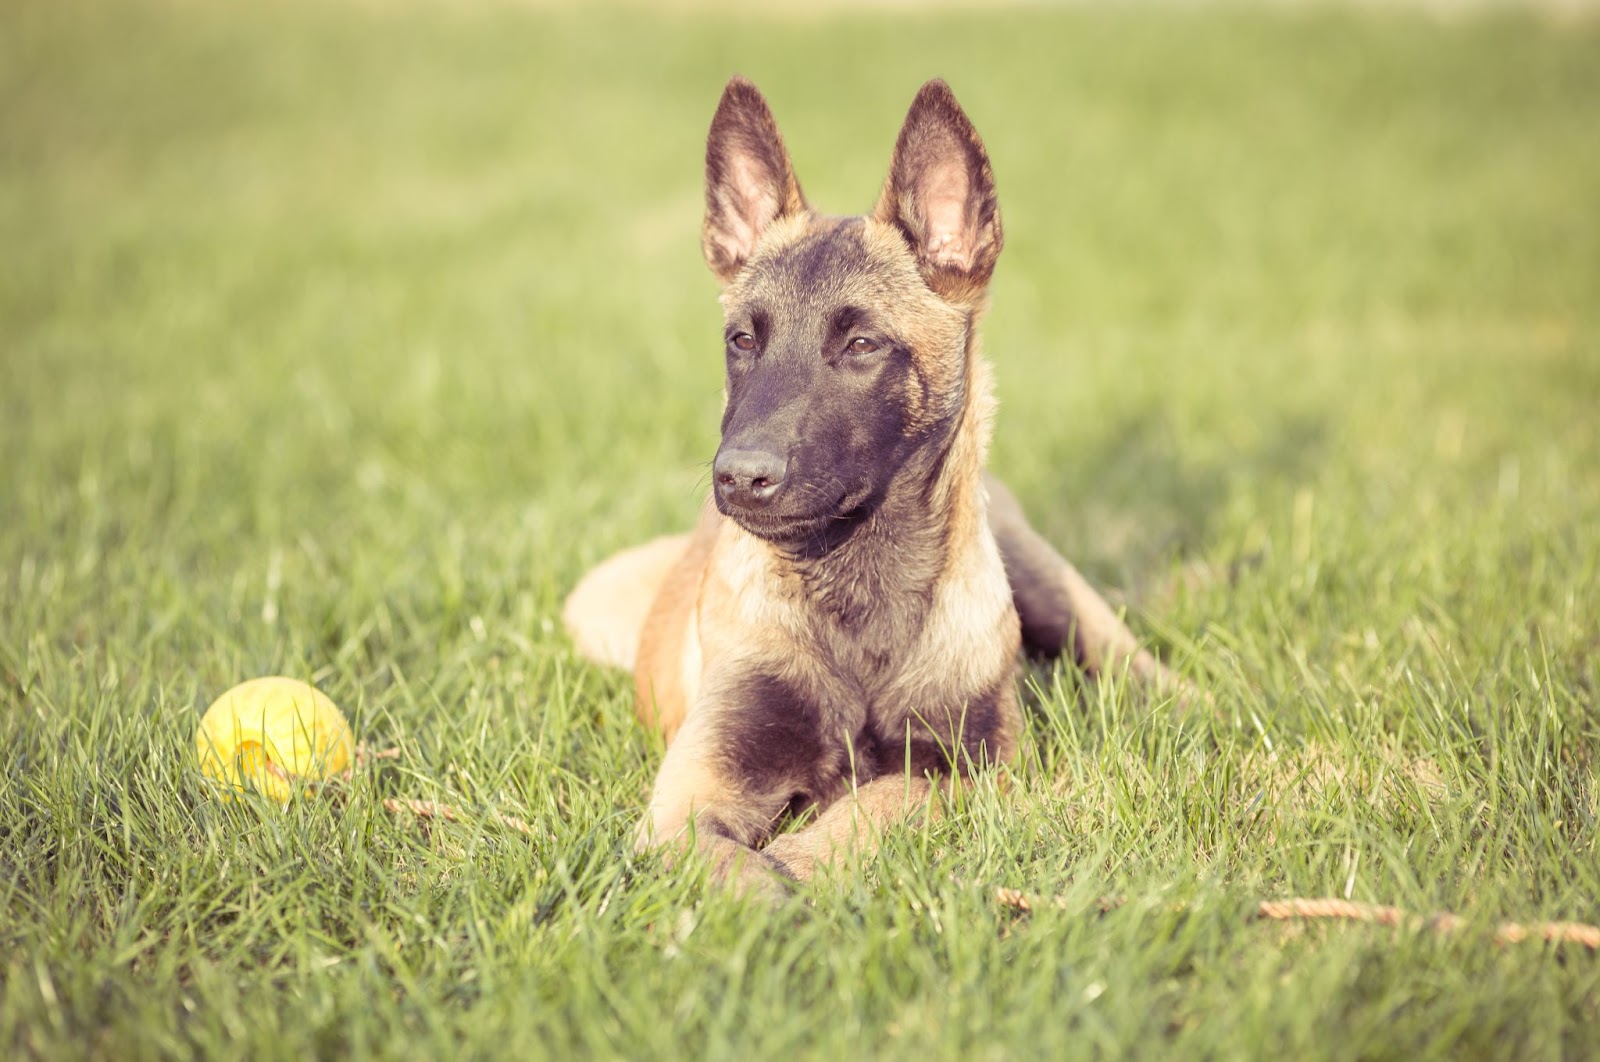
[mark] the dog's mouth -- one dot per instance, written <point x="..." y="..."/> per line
<point x="780" y="530"/>
<point x="816" y="531"/>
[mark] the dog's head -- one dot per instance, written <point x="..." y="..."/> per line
<point x="847" y="338"/>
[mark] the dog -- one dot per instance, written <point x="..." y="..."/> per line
<point x="842" y="631"/>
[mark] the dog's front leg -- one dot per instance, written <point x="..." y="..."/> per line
<point x="696" y="802"/>
<point x="853" y="825"/>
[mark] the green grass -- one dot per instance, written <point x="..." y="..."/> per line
<point x="337" y="341"/>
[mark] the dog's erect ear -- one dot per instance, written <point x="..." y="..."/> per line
<point x="940" y="194"/>
<point x="750" y="182"/>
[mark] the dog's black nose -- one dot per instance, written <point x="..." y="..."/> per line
<point x="748" y="479"/>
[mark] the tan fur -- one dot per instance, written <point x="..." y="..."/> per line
<point x="667" y="672"/>
<point x="607" y="609"/>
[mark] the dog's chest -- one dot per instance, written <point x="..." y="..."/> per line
<point x="863" y="671"/>
<point x="810" y="733"/>
<point x="899" y="691"/>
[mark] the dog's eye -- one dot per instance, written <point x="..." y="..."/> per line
<point x="862" y="345"/>
<point x="744" y="341"/>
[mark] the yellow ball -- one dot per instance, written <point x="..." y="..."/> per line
<point x="272" y="734"/>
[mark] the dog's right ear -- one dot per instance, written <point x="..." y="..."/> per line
<point x="750" y="182"/>
<point x="940" y="195"/>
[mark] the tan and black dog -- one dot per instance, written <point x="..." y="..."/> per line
<point x="843" y="628"/>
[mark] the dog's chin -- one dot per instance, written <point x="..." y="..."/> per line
<point x="783" y="529"/>
<point x="811" y="532"/>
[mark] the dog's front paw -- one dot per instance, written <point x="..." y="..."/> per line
<point x="762" y="880"/>
<point x="748" y="873"/>
<point x="792" y="852"/>
<point x="731" y="865"/>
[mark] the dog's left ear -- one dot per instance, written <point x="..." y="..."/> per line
<point x="940" y="195"/>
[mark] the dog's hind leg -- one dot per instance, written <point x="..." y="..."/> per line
<point x="1060" y="612"/>
<point x="606" y="611"/>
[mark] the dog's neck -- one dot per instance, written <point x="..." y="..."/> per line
<point x="927" y="523"/>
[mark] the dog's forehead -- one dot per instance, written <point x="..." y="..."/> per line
<point x="813" y="264"/>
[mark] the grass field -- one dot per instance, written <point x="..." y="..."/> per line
<point x="336" y="341"/>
